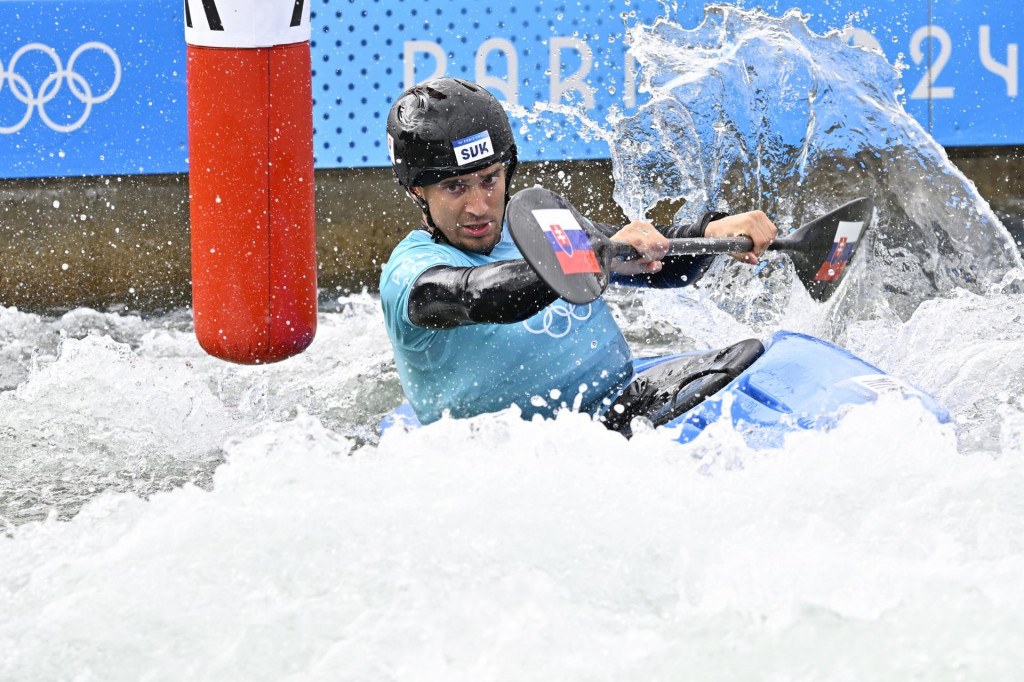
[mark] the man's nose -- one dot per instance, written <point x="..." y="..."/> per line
<point x="477" y="199"/>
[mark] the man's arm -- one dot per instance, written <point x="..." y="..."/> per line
<point x="444" y="297"/>
<point x="656" y="269"/>
<point x="676" y="271"/>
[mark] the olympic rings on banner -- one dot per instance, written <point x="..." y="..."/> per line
<point x="560" y="315"/>
<point x="51" y="85"/>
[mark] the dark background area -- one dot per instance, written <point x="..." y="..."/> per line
<point x="122" y="243"/>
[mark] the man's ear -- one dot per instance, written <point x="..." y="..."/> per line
<point x="417" y="195"/>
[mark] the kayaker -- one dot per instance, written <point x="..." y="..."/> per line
<point x="474" y="329"/>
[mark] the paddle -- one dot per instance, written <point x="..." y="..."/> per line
<point x="573" y="258"/>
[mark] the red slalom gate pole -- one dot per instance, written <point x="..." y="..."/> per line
<point x="251" y="186"/>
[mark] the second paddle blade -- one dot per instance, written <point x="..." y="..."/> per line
<point x="822" y="248"/>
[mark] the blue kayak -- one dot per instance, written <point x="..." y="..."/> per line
<point x="790" y="382"/>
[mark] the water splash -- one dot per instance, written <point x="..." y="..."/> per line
<point x="99" y="418"/>
<point x="750" y="110"/>
<point x="96" y="402"/>
<point x="493" y="548"/>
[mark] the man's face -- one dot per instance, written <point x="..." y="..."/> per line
<point x="469" y="209"/>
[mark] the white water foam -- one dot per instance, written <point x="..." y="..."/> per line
<point x="498" y="549"/>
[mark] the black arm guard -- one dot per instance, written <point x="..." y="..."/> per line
<point x="509" y="291"/>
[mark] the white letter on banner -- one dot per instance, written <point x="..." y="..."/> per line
<point x="629" y="86"/>
<point x="246" y="23"/>
<point x="1008" y="71"/>
<point x="509" y="88"/>
<point x="858" y="37"/>
<point x="409" y="59"/>
<point x="926" y="86"/>
<point x="575" y="81"/>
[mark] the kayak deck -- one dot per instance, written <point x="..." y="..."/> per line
<point x="791" y="382"/>
<point x="800" y="382"/>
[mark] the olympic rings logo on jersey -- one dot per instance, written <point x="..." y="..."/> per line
<point x="413" y="267"/>
<point x="557" y="319"/>
<point x="51" y="85"/>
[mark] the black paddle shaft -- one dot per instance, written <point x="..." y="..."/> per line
<point x="692" y="246"/>
<point x="803" y="240"/>
<point x="574" y="259"/>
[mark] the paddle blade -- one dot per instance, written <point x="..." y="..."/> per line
<point x="553" y="238"/>
<point x="822" y="248"/>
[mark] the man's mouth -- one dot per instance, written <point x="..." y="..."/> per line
<point x="476" y="229"/>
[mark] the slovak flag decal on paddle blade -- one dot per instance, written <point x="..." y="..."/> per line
<point x="842" y="248"/>
<point x="568" y="240"/>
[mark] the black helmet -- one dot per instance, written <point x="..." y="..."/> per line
<point x="447" y="127"/>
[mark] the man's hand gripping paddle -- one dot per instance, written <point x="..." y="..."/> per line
<point x="573" y="258"/>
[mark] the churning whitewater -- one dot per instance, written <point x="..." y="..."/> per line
<point x="169" y="516"/>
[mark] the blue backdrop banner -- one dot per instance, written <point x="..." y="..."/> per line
<point x="91" y="87"/>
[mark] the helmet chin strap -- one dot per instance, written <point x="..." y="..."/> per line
<point x="428" y="220"/>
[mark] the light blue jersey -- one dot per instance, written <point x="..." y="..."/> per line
<point x="573" y="355"/>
